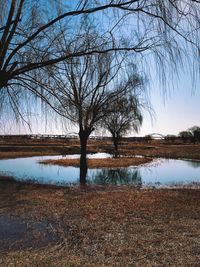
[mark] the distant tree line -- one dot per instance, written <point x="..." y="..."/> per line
<point x="191" y="135"/>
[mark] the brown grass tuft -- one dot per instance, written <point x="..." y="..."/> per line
<point x="100" y="163"/>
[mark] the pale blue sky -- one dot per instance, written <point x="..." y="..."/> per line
<point x="173" y="113"/>
<point x="177" y="111"/>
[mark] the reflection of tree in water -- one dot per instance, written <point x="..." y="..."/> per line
<point x="194" y="164"/>
<point x="122" y="176"/>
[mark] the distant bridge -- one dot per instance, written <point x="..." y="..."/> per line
<point x="157" y="136"/>
<point x="40" y="136"/>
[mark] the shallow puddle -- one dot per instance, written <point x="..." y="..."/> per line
<point x="16" y="233"/>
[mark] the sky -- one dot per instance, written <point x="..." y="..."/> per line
<point x="174" y="112"/>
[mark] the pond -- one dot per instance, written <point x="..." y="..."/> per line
<point x="159" y="173"/>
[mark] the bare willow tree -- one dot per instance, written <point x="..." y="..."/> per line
<point x="124" y="117"/>
<point x="126" y="111"/>
<point x="84" y="88"/>
<point x="162" y="35"/>
<point x="168" y="30"/>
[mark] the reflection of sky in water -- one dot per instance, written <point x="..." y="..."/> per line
<point x="171" y="171"/>
<point x="163" y="172"/>
<point x="28" y="169"/>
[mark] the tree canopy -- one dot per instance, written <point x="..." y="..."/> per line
<point x="28" y="30"/>
<point x="163" y="35"/>
<point x="125" y="113"/>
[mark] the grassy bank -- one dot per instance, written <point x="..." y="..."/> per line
<point x="189" y="151"/>
<point x="164" y="151"/>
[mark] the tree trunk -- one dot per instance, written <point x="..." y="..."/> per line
<point x="83" y="135"/>
<point x="115" y="142"/>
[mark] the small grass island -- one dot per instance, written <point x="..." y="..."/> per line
<point x="101" y="162"/>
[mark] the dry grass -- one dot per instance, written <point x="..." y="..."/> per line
<point x="100" y="163"/>
<point x="112" y="227"/>
<point x="165" y="151"/>
<point x="50" y="147"/>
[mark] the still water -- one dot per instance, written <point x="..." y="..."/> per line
<point x="159" y="173"/>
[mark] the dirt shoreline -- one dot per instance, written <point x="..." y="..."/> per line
<point x="14" y="155"/>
